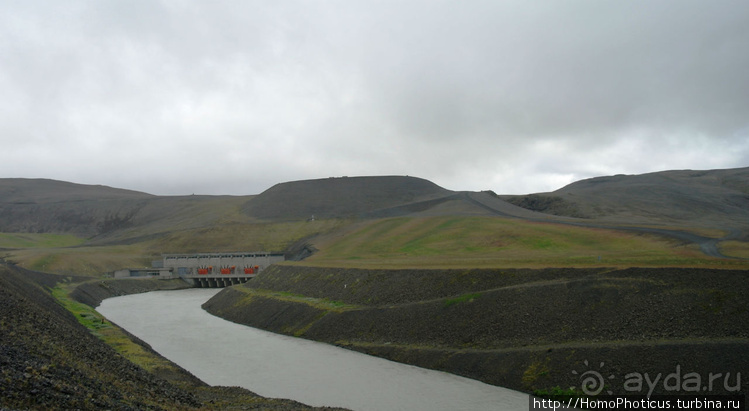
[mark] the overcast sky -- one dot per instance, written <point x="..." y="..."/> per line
<point x="231" y="97"/>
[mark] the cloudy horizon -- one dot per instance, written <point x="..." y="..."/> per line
<point x="232" y="97"/>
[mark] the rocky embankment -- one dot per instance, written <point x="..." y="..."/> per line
<point x="523" y="329"/>
<point x="92" y="293"/>
<point x="48" y="360"/>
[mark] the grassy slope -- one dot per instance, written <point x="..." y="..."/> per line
<point x="440" y="242"/>
<point x="34" y="240"/>
<point x="89" y="261"/>
<point x="240" y="236"/>
<point x="50" y="255"/>
<point x="49" y="361"/>
<point x="112" y="335"/>
<point x="738" y="249"/>
<point x="462" y="239"/>
<point x="404" y="242"/>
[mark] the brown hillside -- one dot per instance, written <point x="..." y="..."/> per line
<point x="715" y="199"/>
<point x="340" y="197"/>
<point x="41" y="191"/>
<point x="718" y="198"/>
<point x="42" y="206"/>
<point x="106" y="213"/>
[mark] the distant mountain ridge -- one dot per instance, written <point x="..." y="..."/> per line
<point x="52" y="206"/>
<point x="708" y="197"/>
<point x="711" y="199"/>
<point x="38" y="191"/>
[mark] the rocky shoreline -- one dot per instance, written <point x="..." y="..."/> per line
<point x="92" y="293"/>
<point x="529" y="330"/>
<point x="522" y="329"/>
<point x="48" y="360"/>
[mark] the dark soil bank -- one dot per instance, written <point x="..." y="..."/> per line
<point x="523" y="329"/>
<point x="94" y="292"/>
<point x="49" y="361"/>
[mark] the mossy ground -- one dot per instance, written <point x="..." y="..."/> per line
<point x="111" y="334"/>
<point x="403" y="242"/>
<point x="34" y="240"/>
<point x="71" y="255"/>
<point x="488" y="242"/>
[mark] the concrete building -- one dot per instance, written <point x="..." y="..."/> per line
<point x="153" y="272"/>
<point x="207" y="269"/>
<point x="220" y="263"/>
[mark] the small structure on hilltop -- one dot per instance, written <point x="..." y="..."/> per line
<point x="206" y="269"/>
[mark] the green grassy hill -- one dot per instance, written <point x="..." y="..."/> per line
<point x="395" y="221"/>
<point x="484" y="241"/>
<point x="371" y="228"/>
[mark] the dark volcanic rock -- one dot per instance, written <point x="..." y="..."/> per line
<point x="711" y="197"/>
<point x="49" y="361"/>
<point x="340" y="197"/>
<point x="92" y="293"/>
<point x="524" y="329"/>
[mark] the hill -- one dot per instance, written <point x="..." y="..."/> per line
<point x="712" y="198"/>
<point x="101" y="213"/>
<point x="340" y="197"/>
<point x="707" y="199"/>
<point x="45" y="352"/>
<point x="44" y="191"/>
<point x="115" y="228"/>
<point x="50" y="206"/>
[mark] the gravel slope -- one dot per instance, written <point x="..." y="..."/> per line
<point x="522" y="329"/>
<point x="49" y="361"/>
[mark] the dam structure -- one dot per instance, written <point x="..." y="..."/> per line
<point x="206" y="270"/>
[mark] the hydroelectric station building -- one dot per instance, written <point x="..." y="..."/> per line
<point x="207" y="269"/>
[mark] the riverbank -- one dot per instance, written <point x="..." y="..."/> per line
<point x="92" y="293"/>
<point x="48" y="360"/>
<point x="521" y="329"/>
<point x="273" y="365"/>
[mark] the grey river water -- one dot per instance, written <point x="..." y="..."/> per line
<point x="220" y="352"/>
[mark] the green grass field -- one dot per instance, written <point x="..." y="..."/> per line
<point x="32" y="240"/>
<point x="406" y="242"/>
<point x="82" y="260"/>
<point x="241" y="236"/>
<point x="73" y="257"/>
<point x="453" y="242"/>
<point x="738" y="249"/>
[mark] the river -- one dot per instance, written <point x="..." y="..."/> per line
<point x="220" y="352"/>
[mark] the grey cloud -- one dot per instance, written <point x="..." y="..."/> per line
<point x="576" y="66"/>
<point x="524" y="94"/>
